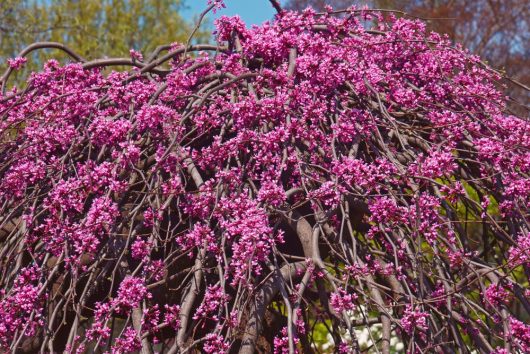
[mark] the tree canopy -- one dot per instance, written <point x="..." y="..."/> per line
<point x="343" y="172"/>
<point x="93" y="28"/>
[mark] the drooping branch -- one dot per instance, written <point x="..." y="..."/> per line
<point x="36" y="46"/>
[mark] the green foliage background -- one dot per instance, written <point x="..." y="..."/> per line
<point x="92" y="28"/>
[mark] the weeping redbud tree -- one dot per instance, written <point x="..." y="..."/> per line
<point x="338" y="181"/>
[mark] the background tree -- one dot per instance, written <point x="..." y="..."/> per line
<point x="92" y="28"/>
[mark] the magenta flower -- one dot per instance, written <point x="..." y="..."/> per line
<point x="17" y="63"/>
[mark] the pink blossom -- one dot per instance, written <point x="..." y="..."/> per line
<point x="520" y="254"/>
<point x="497" y="295"/>
<point x="213" y="301"/>
<point x="136" y="55"/>
<point x="217" y="5"/>
<point x="132" y="290"/>
<point x="172" y="316"/>
<point x="140" y="248"/>
<point x="17" y="63"/>
<point x="215" y="344"/>
<point x="437" y="164"/>
<point x="16" y="308"/>
<point x="414" y="319"/>
<point x="109" y="132"/>
<point x="521" y="333"/>
<point x="343" y="301"/>
<point x="128" y="342"/>
<point x="156" y="117"/>
<point x="152" y="216"/>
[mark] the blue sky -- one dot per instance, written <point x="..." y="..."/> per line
<point x="251" y="11"/>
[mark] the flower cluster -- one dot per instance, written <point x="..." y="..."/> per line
<point x="17" y="63"/>
<point x="521" y="333"/>
<point x="414" y="319"/>
<point x="132" y="291"/>
<point x="215" y="344"/>
<point x="128" y="342"/>
<point x="136" y="55"/>
<point x="20" y="309"/>
<point x="214" y="299"/>
<point x="497" y="294"/>
<point x="343" y="301"/>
